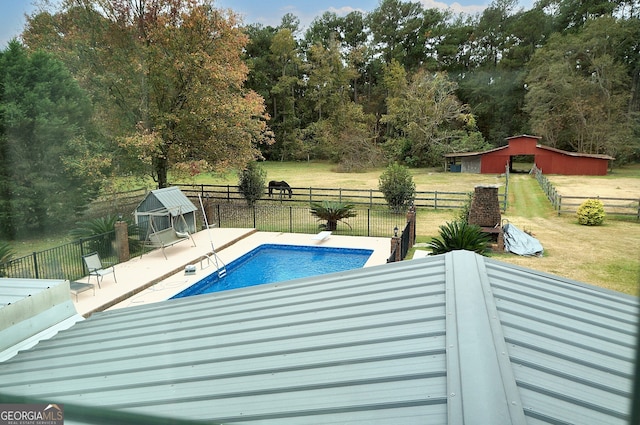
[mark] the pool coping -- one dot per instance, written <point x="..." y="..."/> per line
<point x="151" y="278"/>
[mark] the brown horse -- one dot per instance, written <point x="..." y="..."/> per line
<point x="281" y="186"/>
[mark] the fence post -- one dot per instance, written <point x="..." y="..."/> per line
<point x="435" y="200"/>
<point x="559" y="204"/>
<point x="254" y="216"/>
<point x="122" y="241"/>
<point x="370" y="198"/>
<point x="35" y="264"/>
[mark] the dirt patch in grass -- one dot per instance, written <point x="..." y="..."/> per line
<point x="591" y="186"/>
<point x="621" y="183"/>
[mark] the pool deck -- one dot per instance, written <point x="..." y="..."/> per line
<point x="152" y="278"/>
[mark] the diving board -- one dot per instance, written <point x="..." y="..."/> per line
<point x="321" y="236"/>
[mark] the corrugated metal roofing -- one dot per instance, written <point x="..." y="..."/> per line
<point x="32" y="310"/>
<point x="450" y="339"/>
<point x="169" y="198"/>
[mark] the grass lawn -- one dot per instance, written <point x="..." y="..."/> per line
<point x="607" y="256"/>
<point x="321" y="174"/>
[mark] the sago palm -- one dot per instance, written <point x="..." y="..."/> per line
<point x="460" y="235"/>
<point x="332" y="212"/>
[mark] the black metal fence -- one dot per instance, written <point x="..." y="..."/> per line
<point x="298" y="219"/>
<point x="407" y="240"/>
<point x="65" y="261"/>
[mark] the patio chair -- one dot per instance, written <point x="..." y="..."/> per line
<point x="97" y="269"/>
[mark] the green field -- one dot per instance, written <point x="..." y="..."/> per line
<point x="606" y="256"/>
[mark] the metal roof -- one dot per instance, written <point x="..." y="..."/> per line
<point x="32" y="310"/>
<point x="450" y="339"/>
<point x="167" y="200"/>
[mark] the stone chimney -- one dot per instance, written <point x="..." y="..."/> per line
<point x="485" y="207"/>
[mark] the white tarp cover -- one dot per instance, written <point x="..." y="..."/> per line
<point x="519" y="242"/>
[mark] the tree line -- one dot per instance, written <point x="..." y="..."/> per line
<point x="102" y="88"/>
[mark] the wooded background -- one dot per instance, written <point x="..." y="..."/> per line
<point x="102" y="89"/>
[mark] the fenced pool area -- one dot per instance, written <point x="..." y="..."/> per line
<point x="153" y="278"/>
<point x="270" y="263"/>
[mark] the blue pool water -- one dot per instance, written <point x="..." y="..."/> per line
<point x="276" y="263"/>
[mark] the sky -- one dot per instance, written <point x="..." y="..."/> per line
<point x="266" y="12"/>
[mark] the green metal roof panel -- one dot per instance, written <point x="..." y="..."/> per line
<point x="572" y="346"/>
<point x="449" y="339"/>
<point x="169" y="198"/>
<point x="352" y="345"/>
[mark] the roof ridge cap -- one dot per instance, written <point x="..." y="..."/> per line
<point x="481" y="387"/>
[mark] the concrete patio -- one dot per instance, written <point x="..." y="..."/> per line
<point x="152" y="278"/>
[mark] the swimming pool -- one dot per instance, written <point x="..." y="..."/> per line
<point x="271" y="263"/>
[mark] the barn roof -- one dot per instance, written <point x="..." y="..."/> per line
<point x="576" y="154"/>
<point x="449" y="339"/>
<point x="538" y="146"/>
<point x="168" y="200"/>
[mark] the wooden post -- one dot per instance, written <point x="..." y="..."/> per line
<point x="122" y="241"/>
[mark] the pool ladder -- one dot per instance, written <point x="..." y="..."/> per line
<point x="216" y="261"/>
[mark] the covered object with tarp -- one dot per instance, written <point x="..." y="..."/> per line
<point x="164" y="209"/>
<point x="519" y="242"/>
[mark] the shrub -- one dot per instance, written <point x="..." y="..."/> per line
<point x="397" y="186"/>
<point x="6" y="253"/>
<point x="332" y="212"/>
<point x="251" y="182"/>
<point x="101" y="234"/>
<point x="460" y="235"/>
<point x="591" y="213"/>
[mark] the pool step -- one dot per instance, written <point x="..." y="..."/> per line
<point x="222" y="272"/>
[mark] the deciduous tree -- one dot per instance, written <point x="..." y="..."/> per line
<point x="432" y="119"/>
<point x="167" y="74"/>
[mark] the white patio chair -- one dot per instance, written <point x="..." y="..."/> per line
<point x="97" y="269"/>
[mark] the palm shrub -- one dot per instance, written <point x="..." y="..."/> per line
<point x="251" y="182"/>
<point x="6" y="253"/>
<point x="332" y="212"/>
<point x="591" y="213"/>
<point x="101" y="234"/>
<point x="460" y="235"/>
<point x="397" y="186"/>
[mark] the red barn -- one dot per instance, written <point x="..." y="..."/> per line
<point x="549" y="160"/>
